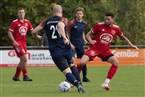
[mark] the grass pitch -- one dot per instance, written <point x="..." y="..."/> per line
<point x="129" y="81"/>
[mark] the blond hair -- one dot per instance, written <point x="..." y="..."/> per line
<point x="57" y="9"/>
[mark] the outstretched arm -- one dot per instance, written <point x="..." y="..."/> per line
<point x="35" y="32"/>
<point x="128" y="42"/>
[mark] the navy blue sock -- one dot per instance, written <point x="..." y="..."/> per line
<point x="75" y="73"/>
<point x="84" y="71"/>
<point x="71" y="78"/>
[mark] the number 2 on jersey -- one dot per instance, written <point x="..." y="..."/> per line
<point x="54" y="30"/>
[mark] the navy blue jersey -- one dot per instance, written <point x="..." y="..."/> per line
<point x="55" y="41"/>
<point x="76" y="32"/>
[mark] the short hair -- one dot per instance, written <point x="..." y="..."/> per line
<point x="79" y="9"/>
<point x="20" y="8"/>
<point x="57" y="9"/>
<point x="109" y="14"/>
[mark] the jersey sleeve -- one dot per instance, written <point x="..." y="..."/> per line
<point x="94" y="28"/>
<point x="119" y="32"/>
<point x="43" y="23"/>
<point x="86" y="24"/>
<point x="12" y="26"/>
<point x="64" y="20"/>
<point x="69" y="27"/>
<point x="30" y="27"/>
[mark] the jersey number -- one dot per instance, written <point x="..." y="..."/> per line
<point x="54" y="30"/>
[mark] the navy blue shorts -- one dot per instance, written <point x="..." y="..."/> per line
<point x="79" y="52"/>
<point x="62" y="60"/>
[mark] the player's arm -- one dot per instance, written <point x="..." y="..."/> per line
<point x="61" y="31"/>
<point x="35" y="32"/>
<point x="37" y="29"/>
<point x="84" y="38"/>
<point x="89" y="37"/>
<point x="69" y="27"/>
<point x="128" y="41"/>
<point x="15" y="43"/>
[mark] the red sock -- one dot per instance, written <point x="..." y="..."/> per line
<point x="25" y="74"/>
<point x="79" y="68"/>
<point x="18" y="71"/>
<point x="112" y="71"/>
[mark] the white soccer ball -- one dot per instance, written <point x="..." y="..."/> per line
<point x="64" y="86"/>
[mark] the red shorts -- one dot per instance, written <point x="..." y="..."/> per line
<point x="101" y="53"/>
<point x="20" y="50"/>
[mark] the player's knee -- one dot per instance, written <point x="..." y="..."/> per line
<point x="116" y="62"/>
<point x="82" y="62"/>
<point x="24" y="60"/>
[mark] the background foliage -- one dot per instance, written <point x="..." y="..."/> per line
<point x="130" y="15"/>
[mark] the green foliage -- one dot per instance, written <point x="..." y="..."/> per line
<point x="130" y="15"/>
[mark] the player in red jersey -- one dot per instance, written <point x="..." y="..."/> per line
<point x="100" y="38"/>
<point x="17" y="34"/>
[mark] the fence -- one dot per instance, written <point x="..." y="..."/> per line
<point x="38" y="56"/>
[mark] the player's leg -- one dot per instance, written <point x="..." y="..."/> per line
<point x="114" y="61"/>
<point x="18" y="68"/>
<point x="21" y="53"/>
<point x="17" y="73"/>
<point x="23" y="63"/>
<point x="80" y="53"/>
<point x="63" y="66"/>
<point x="82" y="62"/>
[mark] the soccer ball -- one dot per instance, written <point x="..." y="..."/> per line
<point x="64" y="86"/>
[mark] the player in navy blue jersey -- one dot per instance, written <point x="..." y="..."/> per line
<point x="59" y="46"/>
<point x="76" y="30"/>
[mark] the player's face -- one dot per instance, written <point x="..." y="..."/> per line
<point x="21" y="14"/>
<point x="108" y="20"/>
<point x="79" y="15"/>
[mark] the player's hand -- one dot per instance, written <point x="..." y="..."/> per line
<point x="93" y="42"/>
<point x="39" y="37"/>
<point x="66" y="41"/>
<point x="72" y="46"/>
<point x="16" y="44"/>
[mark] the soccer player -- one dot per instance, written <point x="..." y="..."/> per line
<point x="59" y="46"/>
<point x="76" y="30"/>
<point x="100" y="37"/>
<point x="17" y="34"/>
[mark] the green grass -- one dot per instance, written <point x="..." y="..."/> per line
<point x="128" y="82"/>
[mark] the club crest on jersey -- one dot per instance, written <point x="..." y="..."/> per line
<point x="92" y="53"/>
<point x="106" y="38"/>
<point x="23" y="30"/>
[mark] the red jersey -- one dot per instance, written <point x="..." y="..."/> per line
<point x="20" y="29"/>
<point x="104" y="35"/>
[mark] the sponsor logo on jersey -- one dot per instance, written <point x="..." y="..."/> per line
<point x="23" y="30"/>
<point x="106" y="38"/>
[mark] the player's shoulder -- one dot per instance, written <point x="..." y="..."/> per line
<point x="99" y="24"/>
<point x="64" y="20"/>
<point x="85" y="22"/>
<point x="26" y="20"/>
<point x="115" y="26"/>
<point x="15" y="20"/>
<point x="72" y="21"/>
